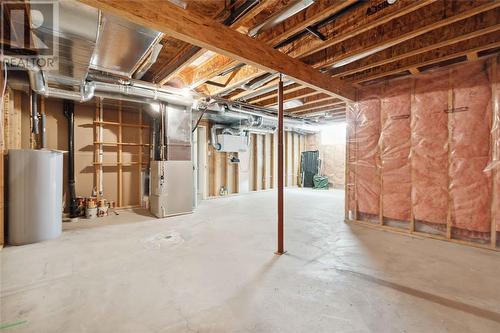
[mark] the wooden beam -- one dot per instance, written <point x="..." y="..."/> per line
<point x="482" y="43"/>
<point x="461" y="31"/>
<point x="204" y="32"/>
<point x="405" y="28"/>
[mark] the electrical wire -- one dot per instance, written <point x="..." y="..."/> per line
<point x="199" y="119"/>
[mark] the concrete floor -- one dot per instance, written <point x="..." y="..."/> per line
<point x="214" y="271"/>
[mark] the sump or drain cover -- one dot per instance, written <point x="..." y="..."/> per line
<point x="163" y="240"/>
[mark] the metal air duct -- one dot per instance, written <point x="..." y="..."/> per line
<point x="135" y="90"/>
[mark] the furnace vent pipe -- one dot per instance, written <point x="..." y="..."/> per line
<point x="69" y="113"/>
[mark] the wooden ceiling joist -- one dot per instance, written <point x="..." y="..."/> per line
<point x="414" y="70"/>
<point x="460" y="31"/>
<point x="242" y="96"/>
<point x="315" y="98"/>
<point x="302" y="93"/>
<point x="259" y="13"/>
<point x="486" y="42"/>
<point x="350" y="26"/>
<point x="287" y="89"/>
<point x="328" y="109"/>
<point x="331" y="102"/>
<point x="318" y="11"/>
<point x="232" y="80"/>
<point x="179" y="65"/>
<point x="314" y="13"/>
<point x="204" y="32"/>
<point x="434" y="16"/>
<point x="332" y="112"/>
<point x="356" y="22"/>
<point x="172" y="66"/>
<point x="209" y="69"/>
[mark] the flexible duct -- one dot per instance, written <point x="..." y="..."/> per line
<point x="267" y="119"/>
<point x="213" y="136"/>
<point x="255" y="122"/>
<point x="233" y="131"/>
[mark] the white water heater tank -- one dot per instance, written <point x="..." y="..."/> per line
<point x="35" y="195"/>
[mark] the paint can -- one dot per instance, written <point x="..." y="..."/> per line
<point x="80" y="203"/>
<point x="91" y="202"/>
<point x="102" y="208"/>
<point x="91" y="213"/>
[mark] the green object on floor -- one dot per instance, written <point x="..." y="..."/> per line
<point x="9" y="325"/>
<point x="320" y="182"/>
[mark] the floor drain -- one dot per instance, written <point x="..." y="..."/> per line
<point x="160" y="240"/>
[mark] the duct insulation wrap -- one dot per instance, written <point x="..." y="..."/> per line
<point x="35" y="195"/>
<point x="425" y="149"/>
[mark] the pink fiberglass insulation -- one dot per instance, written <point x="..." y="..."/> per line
<point x="395" y="150"/>
<point x="496" y="163"/>
<point x="430" y="148"/>
<point x="470" y="185"/>
<point x="366" y="136"/>
<point x="352" y="112"/>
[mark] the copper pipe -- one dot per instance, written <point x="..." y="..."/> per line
<point x="280" y="249"/>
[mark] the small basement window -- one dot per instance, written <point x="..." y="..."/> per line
<point x="333" y="134"/>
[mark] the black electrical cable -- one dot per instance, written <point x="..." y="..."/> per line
<point x="199" y="119"/>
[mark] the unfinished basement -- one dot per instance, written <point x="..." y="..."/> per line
<point x="249" y="166"/>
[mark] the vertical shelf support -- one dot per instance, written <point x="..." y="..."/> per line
<point x="119" y="149"/>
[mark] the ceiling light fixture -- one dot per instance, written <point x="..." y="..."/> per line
<point x="362" y="55"/>
<point x="283" y="15"/>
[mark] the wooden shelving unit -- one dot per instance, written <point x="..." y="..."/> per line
<point x="139" y="165"/>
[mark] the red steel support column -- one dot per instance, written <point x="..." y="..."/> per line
<point x="280" y="249"/>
